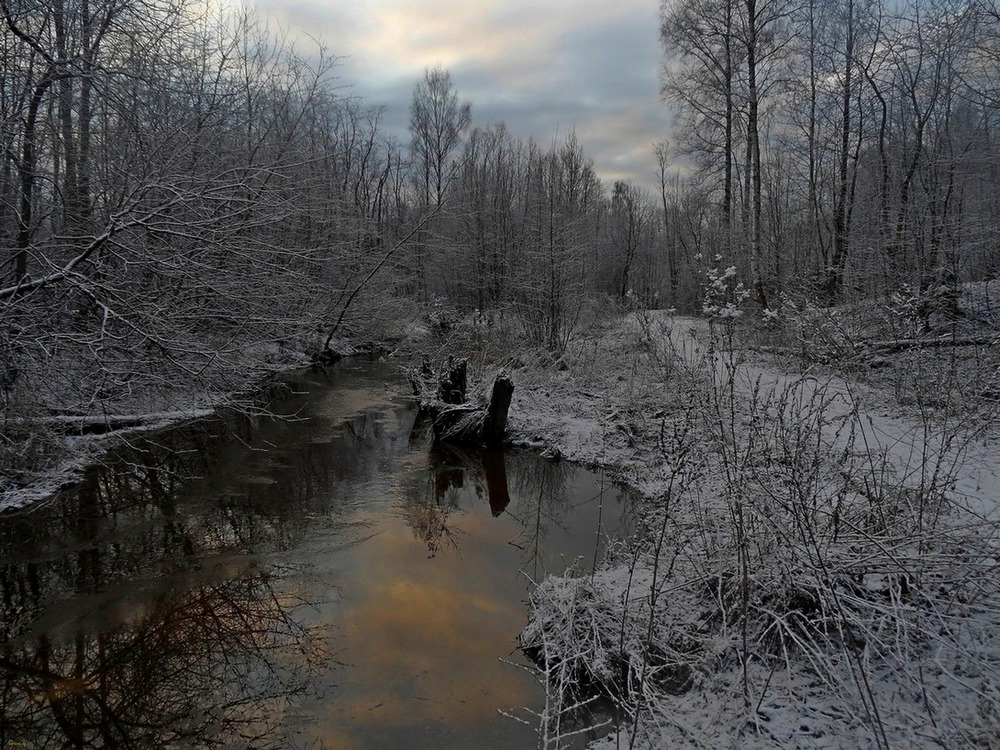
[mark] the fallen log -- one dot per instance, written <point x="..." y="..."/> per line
<point x="864" y="347"/>
<point x="898" y="345"/>
<point x="101" y="424"/>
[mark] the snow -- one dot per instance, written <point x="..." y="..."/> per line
<point x="56" y="460"/>
<point x="78" y="452"/>
<point x="870" y="530"/>
<point x="818" y="565"/>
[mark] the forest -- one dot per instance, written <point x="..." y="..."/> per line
<point x="191" y="203"/>
<point x="184" y="195"/>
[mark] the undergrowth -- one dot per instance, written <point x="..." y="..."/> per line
<point x="810" y="569"/>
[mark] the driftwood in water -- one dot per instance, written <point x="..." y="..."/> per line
<point x="456" y="421"/>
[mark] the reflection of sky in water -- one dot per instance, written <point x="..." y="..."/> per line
<point x="425" y="627"/>
<point x="414" y="589"/>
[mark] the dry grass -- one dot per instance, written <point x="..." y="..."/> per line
<point x="810" y="568"/>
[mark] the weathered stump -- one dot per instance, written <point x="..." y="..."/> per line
<point x="465" y="423"/>
<point x="455" y="421"/>
<point x="454" y="382"/>
<point x="495" y="424"/>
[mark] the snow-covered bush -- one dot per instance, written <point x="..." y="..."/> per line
<point x="724" y="294"/>
<point x="808" y="571"/>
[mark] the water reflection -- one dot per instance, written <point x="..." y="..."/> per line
<point x="190" y="667"/>
<point x="135" y="615"/>
<point x="453" y="470"/>
<point x="486" y="471"/>
<point x="324" y="580"/>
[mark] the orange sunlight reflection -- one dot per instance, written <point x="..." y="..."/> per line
<point x="412" y="630"/>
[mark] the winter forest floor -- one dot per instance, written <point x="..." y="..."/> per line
<point x="818" y="560"/>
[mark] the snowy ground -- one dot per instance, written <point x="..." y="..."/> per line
<point x="820" y="562"/>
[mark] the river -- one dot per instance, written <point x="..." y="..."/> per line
<point x="328" y="579"/>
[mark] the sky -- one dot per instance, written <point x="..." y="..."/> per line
<point x="544" y="67"/>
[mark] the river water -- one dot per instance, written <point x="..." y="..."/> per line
<point x="325" y="580"/>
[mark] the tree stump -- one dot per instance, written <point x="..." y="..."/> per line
<point x="454" y="382"/>
<point x="495" y="424"/>
<point x="455" y="421"/>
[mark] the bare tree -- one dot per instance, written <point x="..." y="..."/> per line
<point x="700" y="78"/>
<point x="167" y="248"/>
<point x="437" y="122"/>
<point x="630" y="232"/>
<point x="561" y="207"/>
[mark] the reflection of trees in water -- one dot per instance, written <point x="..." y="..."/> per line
<point x="120" y="522"/>
<point x="541" y="489"/>
<point x="548" y="499"/>
<point x="453" y="471"/>
<point x="307" y="471"/>
<point x="143" y="512"/>
<point x="430" y="525"/>
<point x="191" y="665"/>
<point x="540" y="495"/>
<point x="427" y="510"/>
<point x="203" y="666"/>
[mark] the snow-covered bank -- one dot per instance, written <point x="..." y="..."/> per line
<point x="64" y="444"/>
<point x="79" y="451"/>
<point x="819" y="567"/>
<point x="608" y="398"/>
<point x="52" y="448"/>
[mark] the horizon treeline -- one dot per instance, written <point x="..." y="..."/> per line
<point x="183" y="192"/>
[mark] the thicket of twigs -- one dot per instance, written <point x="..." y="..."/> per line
<point x="819" y="563"/>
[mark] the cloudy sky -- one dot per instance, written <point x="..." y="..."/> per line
<point x="544" y="67"/>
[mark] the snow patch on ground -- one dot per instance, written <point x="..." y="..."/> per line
<point x="846" y="650"/>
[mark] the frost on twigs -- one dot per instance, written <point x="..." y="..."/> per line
<point x="829" y="578"/>
<point x="579" y="627"/>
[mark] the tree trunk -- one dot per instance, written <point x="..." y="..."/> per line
<point x="467" y="423"/>
<point x="495" y="425"/>
<point x="753" y="157"/>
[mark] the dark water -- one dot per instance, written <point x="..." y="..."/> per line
<point x="326" y="580"/>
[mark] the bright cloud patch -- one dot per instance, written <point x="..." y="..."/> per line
<point x="544" y="68"/>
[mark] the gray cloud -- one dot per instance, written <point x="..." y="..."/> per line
<point x="545" y="69"/>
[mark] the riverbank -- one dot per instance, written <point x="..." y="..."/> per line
<point x="336" y="578"/>
<point x="819" y="562"/>
<point x="53" y="450"/>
